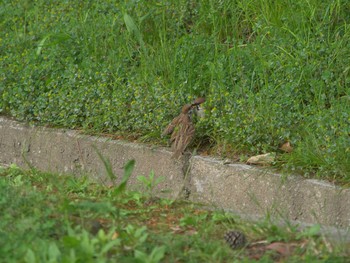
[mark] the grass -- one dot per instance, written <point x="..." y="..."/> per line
<point x="55" y="218"/>
<point x="272" y="71"/>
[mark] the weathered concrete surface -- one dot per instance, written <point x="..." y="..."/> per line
<point x="249" y="190"/>
<point x="69" y="152"/>
<point x="236" y="187"/>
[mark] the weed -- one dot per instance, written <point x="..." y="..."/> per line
<point x="270" y="71"/>
<point x="150" y="182"/>
<point x="55" y="224"/>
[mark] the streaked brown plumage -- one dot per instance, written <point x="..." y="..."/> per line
<point x="182" y="129"/>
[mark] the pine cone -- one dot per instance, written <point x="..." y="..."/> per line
<point x="235" y="239"/>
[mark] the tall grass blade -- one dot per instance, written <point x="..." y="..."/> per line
<point x="134" y="30"/>
<point x="41" y="45"/>
<point x="128" y="168"/>
<point x="107" y="165"/>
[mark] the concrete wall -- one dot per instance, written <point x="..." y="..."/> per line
<point x="249" y="190"/>
<point x="237" y="187"/>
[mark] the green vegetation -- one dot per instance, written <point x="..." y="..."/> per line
<point x="54" y="218"/>
<point x="271" y="71"/>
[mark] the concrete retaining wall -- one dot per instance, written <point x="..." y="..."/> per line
<point x="237" y="187"/>
<point x="249" y="190"/>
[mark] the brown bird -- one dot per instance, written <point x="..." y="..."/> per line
<point x="197" y="110"/>
<point x="198" y="101"/>
<point x="182" y="129"/>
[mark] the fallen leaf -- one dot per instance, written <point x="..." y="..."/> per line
<point x="176" y="229"/>
<point x="179" y="230"/>
<point x="284" y="249"/>
<point x="286" y="147"/>
<point x="115" y="235"/>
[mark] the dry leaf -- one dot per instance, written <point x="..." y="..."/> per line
<point x="283" y="249"/>
<point x="176" y="230"/>
<point x="286" y="147"/>
<point x="115" y="235"/>
<point x="180" y="230"/>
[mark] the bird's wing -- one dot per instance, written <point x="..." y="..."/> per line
<point x="182" y="137"/>
<point x="170" y="128"/>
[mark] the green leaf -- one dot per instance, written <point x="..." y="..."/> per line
<point x="158" y="254"/>
<point x="70" y="242"/>
<point x="128" y="168"/>
<point x="134" y="30"/>
<point x="96" y="207"/>
<point x="107" y="164"/>
<point x="41" y="44"/>
<point x="310" y="231"/>
<point x="141" y="256"/>
<point x="30" y="256"/>
<point x="131" y="25"/>
<point x="54" y="252"/>
<point x="110" y="245"/>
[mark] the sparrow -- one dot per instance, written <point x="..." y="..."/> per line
<point x="198" y="101"/>
<point x="197" y="109"/>
<point x="182" y="129"/>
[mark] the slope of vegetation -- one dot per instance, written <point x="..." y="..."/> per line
<point x="272" y="71"/>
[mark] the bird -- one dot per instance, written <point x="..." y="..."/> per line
<point x="197" y="110"/>
<point x="198" y="101"/>
<point x="182" y="129"/>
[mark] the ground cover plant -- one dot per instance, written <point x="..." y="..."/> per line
<point x="272" y="71"/>
<point x="55" y="218"/>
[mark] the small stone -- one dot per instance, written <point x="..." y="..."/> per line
<point x="226" y="161"/>
<point x="262" y="159"/>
